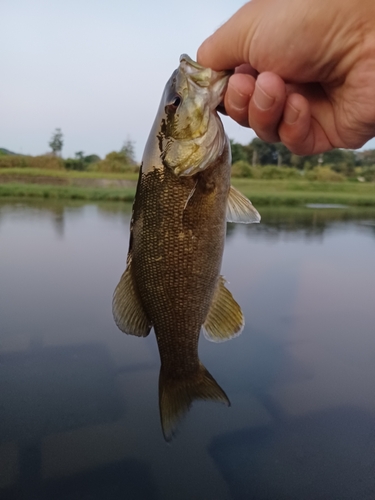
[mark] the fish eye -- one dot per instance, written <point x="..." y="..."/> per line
<point x="176" y="102"/>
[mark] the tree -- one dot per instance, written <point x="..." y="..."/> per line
<point x="340" y="160"/>
<point x="81" y="162"/>
<point x="56" y="143"/>
<point x="92" y="158"/>
<point x="263" y="152"/>
<point x="80" y="155"/>
<point x="283" y="154"/>
<point x="365" y="158"/>
<point x="238" y="152"/>
<point x="128" y="150"/>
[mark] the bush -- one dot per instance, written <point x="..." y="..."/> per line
<point x="75" y="164"/>
<point x="43" y="162"/>
<point x="324" y="174"/>
<point x="115" y="162"/>
<point x="92" y="158"/>
<point x="242" y="168"/>
<point x="273" y="172"/>
<point x="367" y="173"/>
<point x="81" y="162"/>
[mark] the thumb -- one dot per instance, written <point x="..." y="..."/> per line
<point x="229" y="46"/>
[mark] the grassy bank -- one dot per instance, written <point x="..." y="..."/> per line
<point x="34" y="183"/>
<point x="301" y="192"/>
<point x="68" y="175"/>
<point x="65" y="192"/>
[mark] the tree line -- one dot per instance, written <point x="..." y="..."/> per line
<point x="247" y="158"/>
<point x="260" y="153"/>
<point x="116" y="161"/>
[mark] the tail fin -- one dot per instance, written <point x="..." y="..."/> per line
<point x="176" y="396"/>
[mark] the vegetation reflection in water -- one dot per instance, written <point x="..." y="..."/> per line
<point x="79" y="407"/>
<point x="308" y="221"/>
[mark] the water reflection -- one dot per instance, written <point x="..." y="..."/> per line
<point x="78" y="410"/>
<point x="310" y="223"/>
<point x="67" y="387"/>
<point x="56" y="211"/>
<point x="267" y="456"/>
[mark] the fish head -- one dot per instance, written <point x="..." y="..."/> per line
<point x="190" y="135"/>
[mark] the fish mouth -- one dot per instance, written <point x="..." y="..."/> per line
<point x="206" y="77"/>
<point x="190" y="62"/>
<point x="201" y="75"/>
<point x="184" y="58"/>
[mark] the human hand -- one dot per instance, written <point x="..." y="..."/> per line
<point x="305" y="71"/>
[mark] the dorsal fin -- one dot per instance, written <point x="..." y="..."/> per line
<point x="240" y="208"/>
<point x="224" y="319"/>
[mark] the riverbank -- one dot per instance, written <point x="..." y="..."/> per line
<point x="33" y="183"/>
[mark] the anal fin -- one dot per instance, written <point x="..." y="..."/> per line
<point x="240" y="208"/>
<point x="127" y="309"/>
<point x="224" y="319"/>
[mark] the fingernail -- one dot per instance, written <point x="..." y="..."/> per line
<point x="262" y="100"/>
<point x="291" y="114"/>
<point x="236" y="99"/>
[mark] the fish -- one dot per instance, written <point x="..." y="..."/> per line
<point x="172" y="281"/>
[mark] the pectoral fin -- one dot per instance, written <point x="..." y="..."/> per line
<point x="240" y="208"/>
<point x="225" y="319"/>
<point x="127" y="309"/>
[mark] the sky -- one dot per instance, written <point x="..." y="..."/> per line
<point x="96" y="69"/>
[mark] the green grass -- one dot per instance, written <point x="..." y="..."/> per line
<point x="255" y="185"/>
<point x="65" y="174"/>
<point x="261" y="192"/>
<point x="27" y="172"/>
<point x="292" y="192"/>
<point x="295" y="198"/>
<point x="65" y="192"/>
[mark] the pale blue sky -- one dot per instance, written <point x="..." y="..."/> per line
<point x="95" y="68"/>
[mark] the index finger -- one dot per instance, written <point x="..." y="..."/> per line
<point x="229" y="46"/>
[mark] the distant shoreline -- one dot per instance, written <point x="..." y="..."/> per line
<point x="96" y="186"/>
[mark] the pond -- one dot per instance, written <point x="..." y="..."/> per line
<point x="79" y="414"/>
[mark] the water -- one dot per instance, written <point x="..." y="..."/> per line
<point x="78" y="399"/>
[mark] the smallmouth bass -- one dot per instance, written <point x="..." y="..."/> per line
<point x="172" y="280"/>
